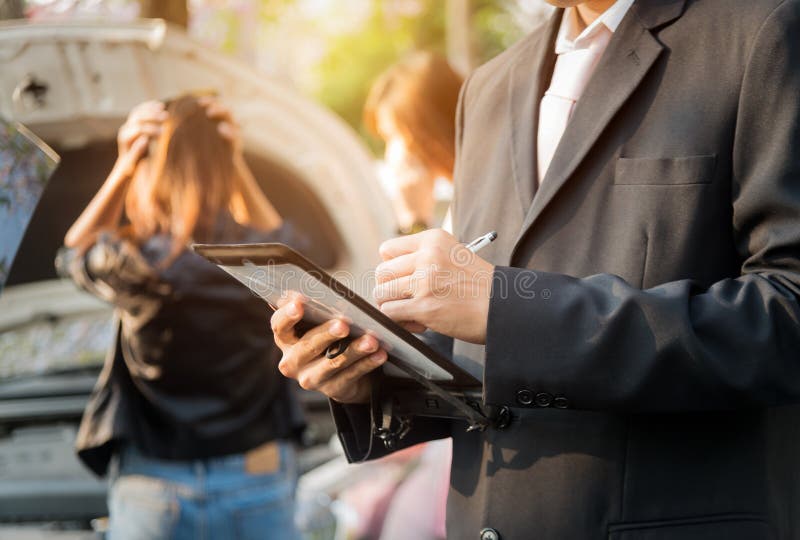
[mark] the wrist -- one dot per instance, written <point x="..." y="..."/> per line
<point x="121" y="171"/>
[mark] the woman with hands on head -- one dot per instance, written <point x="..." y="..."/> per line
<point x="190" y="407"/>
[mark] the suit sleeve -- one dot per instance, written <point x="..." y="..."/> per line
<point x="599" y="343"/>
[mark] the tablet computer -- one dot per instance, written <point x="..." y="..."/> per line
<point x="26" y="164"/>
<point x="272" y="270"/>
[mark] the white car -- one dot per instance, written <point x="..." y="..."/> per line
<point x="73" y="84"/>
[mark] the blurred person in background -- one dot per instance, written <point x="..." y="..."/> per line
<point x="190" y="407"/>
<point x="411" y="107"/>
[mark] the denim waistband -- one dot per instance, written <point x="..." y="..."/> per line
<point x="132" y="461"/>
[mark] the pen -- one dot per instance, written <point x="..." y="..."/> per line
<point x="482" y="241"/>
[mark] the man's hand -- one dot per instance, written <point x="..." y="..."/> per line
<point x="430" y="280"/>
<point x="342" y="378"/>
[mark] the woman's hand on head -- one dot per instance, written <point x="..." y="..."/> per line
<point x="143" y="124"/>
<point x="228" y="128"/>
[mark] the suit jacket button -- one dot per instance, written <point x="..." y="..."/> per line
<point x="524" y="397"/>
<point x="489" y="534"/>
<point x="560" y="402"/>
<point x="543" y="399"/>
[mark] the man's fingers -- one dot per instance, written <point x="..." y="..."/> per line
<point x="397" y="289"/>
<point x="359" y="348"/>
<point x="402" y="265"/>
<point x="315" y="341"/>
<point x="324" y="369"/>
<point x="411" y="243"/>
<point x="290" y="296"/>
<point x="400" y="246"/>
<point x="283" y="321"/>
<point x="347" y="377"/>
<point x="309" y="347"/>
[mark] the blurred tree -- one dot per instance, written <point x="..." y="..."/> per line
<point x="353" y="60"/>
<point x="497" y="24"/>
<point x="460" y="39"/>
<point x="174" y="11"/>
<point x="333" y="50"/>
<point x="11" y="9"/>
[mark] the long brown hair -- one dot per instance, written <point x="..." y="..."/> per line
<point x="420" y="93"/>
<point x="187" y="181"/>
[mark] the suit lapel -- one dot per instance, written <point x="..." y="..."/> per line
<point x="631" y="53"/>
<point x="529" y="78"/>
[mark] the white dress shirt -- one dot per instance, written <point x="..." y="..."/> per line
<point x="579" y="52"/>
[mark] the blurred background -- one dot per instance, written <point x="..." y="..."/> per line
<point x="328" y="50"/>
<point x="296" y="75"/>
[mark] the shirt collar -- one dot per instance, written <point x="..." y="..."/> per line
<point x="610" y="19"/>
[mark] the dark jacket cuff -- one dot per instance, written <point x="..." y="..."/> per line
<point x="523" y="348"/>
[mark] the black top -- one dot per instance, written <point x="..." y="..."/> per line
<point x="194" y="370"/>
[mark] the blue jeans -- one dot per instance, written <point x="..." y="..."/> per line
<point x="210" y="499"/>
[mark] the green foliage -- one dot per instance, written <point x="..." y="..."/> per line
<point x="493" y="27"/>
<point x="233" y="34"/>
<point x="353" y="61"/>
<point x="337" y="63"/>
<point x="270" y="11"/>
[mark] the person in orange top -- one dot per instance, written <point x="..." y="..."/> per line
<point x="412" y="108"/>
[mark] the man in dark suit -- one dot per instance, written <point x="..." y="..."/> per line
<point x="642" y="323"/>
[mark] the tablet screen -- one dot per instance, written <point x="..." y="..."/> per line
<point x="322" y="303"/>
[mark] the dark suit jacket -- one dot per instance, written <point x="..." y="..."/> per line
<point x="644" y="326"/>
